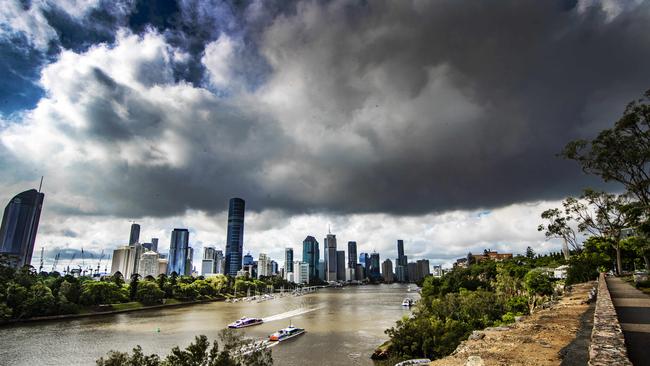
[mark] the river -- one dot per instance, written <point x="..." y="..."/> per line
<point x="343" y="326"/>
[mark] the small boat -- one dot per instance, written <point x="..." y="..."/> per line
<point x="245" y="322"/>
<point x="286" y="333"/>
<point x="408" y="302"/>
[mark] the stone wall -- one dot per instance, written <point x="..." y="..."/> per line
<point x="607" y="341"/>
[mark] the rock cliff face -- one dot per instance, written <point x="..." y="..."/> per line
<point x="558" y="334"/>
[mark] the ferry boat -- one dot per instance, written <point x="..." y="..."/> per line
<point x="408" y="302"/>
<point x="245" y="322"/>
<point x="286" y="333"/>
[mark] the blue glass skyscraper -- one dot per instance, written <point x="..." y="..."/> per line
<point x="19" y="227"/>
<point x="311" y="255"/>
<point x="179" y="252"/>
<point x="235" y="239"/>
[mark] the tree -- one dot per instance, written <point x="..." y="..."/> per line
<point x="118" y="278"/>
<point x="530" y="253"/>
<point x="40" y="301"/>
<point x="148" y="293"/>
<point x="198" y="353"/>
<point x="621" y="153"/>
<point x="558" y="226"/>
<point x="133" y="286"/>
<point x="99" y="292"/>
<point x="538" y="285"/>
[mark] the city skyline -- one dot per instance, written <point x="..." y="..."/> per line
<point x="458" y="154"/>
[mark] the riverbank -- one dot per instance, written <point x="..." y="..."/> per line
<point x="553" y="336"/>
<point x="115" y="309"/>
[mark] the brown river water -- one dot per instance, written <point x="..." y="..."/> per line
<point x="343" y="327"/>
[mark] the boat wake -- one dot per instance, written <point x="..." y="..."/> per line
<point x="289" y="314"/>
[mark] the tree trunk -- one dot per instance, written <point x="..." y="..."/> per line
<point x="647" y="263"/>
<point x="619" y="265"/>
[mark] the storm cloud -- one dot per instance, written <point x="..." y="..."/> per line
<point x="387" y="107"/>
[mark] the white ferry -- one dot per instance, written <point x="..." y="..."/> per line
<point x="408" y="302"/>
<point x="245" y="322"/>
<point x="286" y="333"/>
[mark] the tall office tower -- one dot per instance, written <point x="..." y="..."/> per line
<point x="154" y="244"/>
<point x="288" y="260"/>
<point x="219" y="262"/>
<point x="235" y="238"/>
<point x="387" y="271"/>
<point x="401" y="266"/>
<point x="135" y="234"/>
<point x="274" y="268"/>
<point x="263" y="265"/>
<point x="352" y="254"/>
<point x="178" y="252"/>
<point x="147" y="247"/>
<point x="330" y="257"/>
<point x="137" y="251"/>
<point x="19" y="227"/>
<point x="437" y="271"/>
<point x="373" y="271"/>
<point x="311" y="256"/>
<point x="340" y="265"/>
<point x="148" y="265"/>
<point x="209" y="253"/>
<point x="249" y="260"/>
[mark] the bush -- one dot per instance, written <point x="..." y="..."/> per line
<point x="583" y="267"/>
<point x="517" y="304"/>
<point x="149" y="294"/>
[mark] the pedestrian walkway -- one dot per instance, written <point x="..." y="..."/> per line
<point x="633" y="311"/>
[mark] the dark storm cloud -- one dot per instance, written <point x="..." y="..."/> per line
<point x="400" y="107"/>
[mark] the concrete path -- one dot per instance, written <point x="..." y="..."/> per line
<point x="633" y="311"/>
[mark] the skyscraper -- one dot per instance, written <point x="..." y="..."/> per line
<point x="373" y="270"/>
<point x="365" y="263"/>
<point x="288" y="260"/>
<point x="401" y="266"/>
<point x="178" y="252"/>
<point x="235" y="238"/>
<point x="340" y="265"/>
<point x="154" y="244"/>
<point x="19" y="227"/>
<point x="148" y="264"/>
<point x="330" y="257"/>
<point x="352" y="254"/>
<point x="135" y="234"/>
<point x="311" y="256"/>
<point x="220" y="262"/>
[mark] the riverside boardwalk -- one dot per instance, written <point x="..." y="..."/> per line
<point x="633" y="311"/>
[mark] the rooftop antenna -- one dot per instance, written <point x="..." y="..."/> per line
<point x="40" y="185"/>
<point x="329" y="228"/>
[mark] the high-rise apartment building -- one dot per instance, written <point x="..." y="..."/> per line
<point x="179" y="252"/>
<point x="330" y="258"/>
<point x="311" y="256"/>
<point x="263" y="264"/>
<point x="387" y="271"/>
<point x="220" y="262"/>
<point x="148" y="264"/>
<point x="134" y="237"/>
<point x="19" y="227"/>
<point x="235" y="238"/>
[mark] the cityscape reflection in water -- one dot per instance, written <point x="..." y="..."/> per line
<point x="344" y="325"/>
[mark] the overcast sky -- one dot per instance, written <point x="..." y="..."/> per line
<point x="436" y="122"/>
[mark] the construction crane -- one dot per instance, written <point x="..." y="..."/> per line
<point x="40" y="267"/>
<point x="74" y="255"/>
<point x="56" y="261"/>
<point x="99" y="263"/>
